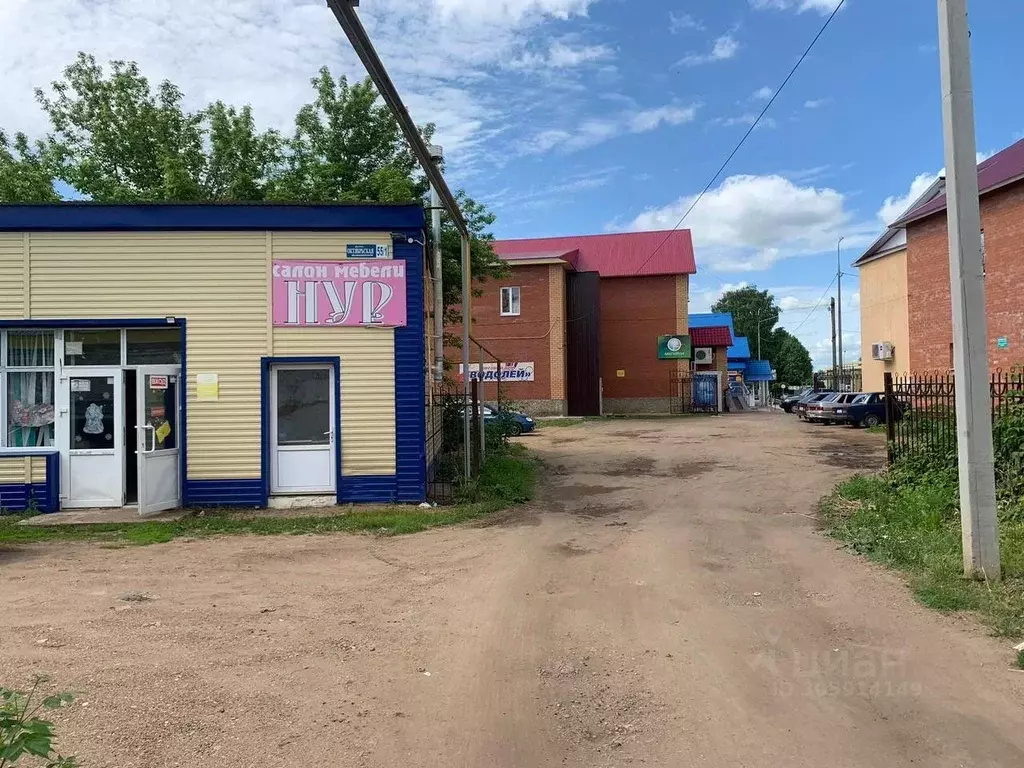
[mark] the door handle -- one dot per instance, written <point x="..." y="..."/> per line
<point x="152" y="432"/>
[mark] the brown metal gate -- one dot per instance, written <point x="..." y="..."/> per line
<point x="583" y="343"/>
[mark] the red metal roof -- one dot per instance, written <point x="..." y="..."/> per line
<point x="714" y="336"/>
<point x="999" y="170"/>
<point x="620" y="255"/>
<point x="563" y="255"/>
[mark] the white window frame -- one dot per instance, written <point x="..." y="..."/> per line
<point x="515" y="301"/>
<point x="6" y="369"/>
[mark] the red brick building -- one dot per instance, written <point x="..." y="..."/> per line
<point x="584" y="314"/>
<point x="1001" y="184"/>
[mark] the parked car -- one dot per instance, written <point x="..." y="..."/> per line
<point x="789" y="401"/>
<point x="831" y="409"/>
<point x="869" y="410"/>
<point x="800" y="408"/>
<point x="518" y="423"/>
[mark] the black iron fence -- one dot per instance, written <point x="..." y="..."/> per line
<point x="921" y="417"/>
<point x="694" y="392"/>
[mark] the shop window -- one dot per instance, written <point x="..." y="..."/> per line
<point x="154" y="346"/>
<point x="28" y="389"/>
<point x="29" y="409"/>
<point x="510" y="301"/>
<point x="30" y="349"/>
<point x="92" y="347"/>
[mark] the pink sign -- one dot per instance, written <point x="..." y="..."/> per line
<point x="352" y="292"/>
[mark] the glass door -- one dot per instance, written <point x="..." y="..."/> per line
<point x="95" y="463"/>
<point x="157" y="436"/>
<point x="302" y="429"/>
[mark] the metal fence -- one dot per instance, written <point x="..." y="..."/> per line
<point x="921" y="414"/>
<point x="693" y="392"/>
<point x="447" y="404"/>
<point x="846" y="379"/>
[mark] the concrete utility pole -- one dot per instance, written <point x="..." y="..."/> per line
<point x="437" y="155"/>
<point x="832" y="315"/>
<point x="978" y="520"/>
<point x="839" y="308"/>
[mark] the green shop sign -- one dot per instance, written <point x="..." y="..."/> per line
<point x="674" y="347"/>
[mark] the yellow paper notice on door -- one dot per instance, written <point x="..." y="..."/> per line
<point x="207" y="386"/>
<point x="163" y="431"/>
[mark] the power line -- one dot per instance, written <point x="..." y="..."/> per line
<point x="816" y="306"/>
<point x="746" y="136"/>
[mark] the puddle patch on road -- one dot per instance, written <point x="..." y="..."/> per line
<point x="636" y="465"/>
<point x="510" y="518"/>
<point x="849" y="455"/>
<point x="577" y="491"/>
<point x="595" y="511"/>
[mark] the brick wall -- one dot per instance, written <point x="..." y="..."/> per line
<point x="525" y="338"/>
<point x="635" y="311"/>
<point x="928" y="296"/>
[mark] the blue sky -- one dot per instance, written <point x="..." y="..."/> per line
<point x="584" y="116"/>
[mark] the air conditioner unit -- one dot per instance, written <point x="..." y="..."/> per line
<point x="881" y="350"/>
<point x="703" y="355"/>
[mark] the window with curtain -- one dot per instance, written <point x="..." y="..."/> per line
<point x="29" y="381"/>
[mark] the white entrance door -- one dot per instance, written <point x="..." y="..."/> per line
<point x="302" y="422"/>
<point x="93" y="424"/>
<point x="158" y="438"/>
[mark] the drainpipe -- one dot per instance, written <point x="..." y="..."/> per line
<point x="467" y="319"/>
<point x="437" y="155"/>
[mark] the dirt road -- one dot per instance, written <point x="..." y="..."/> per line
<point x="667" y="602"/>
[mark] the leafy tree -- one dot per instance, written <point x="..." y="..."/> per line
<point x="348" y="147"/>
<point x="751" y="308"/>
<point x="792" y="361"/>
<point x="24" y="174"/>
<point x="484" y="263"/>
<point x="114" y="139"/>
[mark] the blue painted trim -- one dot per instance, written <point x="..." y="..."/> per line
<point x="225" y="493"/>
<point x="127" y="322"/>
<point x="368" y="489"/>
<point x="17" y="497"/>
<point x="410" y="385"/>
<point x="266" y="363"/>
<point x="143" y="217"/>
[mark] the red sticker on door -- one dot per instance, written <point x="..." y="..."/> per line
<point x="158" y="382"/>
<point x="157" y="412"/>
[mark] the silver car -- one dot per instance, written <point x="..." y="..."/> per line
<point x="832" y="408"/>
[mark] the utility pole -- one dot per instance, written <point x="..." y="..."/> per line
<point x="839" y="308"/>
<point x="978" y="522"/>
<point x="832" y="315"/>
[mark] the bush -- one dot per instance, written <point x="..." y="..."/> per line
<point x="23" y="732"/>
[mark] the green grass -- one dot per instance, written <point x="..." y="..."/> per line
<point x="915" y="528"/>
<point x="505" y="480"/>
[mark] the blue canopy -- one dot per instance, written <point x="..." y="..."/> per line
<point x="758" y="370"/>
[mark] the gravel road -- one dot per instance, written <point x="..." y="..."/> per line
<point x="666" y="602"/>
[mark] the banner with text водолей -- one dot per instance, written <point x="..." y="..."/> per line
<point x="345" y="293"/>
<point x="509" y="372"/>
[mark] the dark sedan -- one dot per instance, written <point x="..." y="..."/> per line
<point x="516" y="423"/>
<point x="869" y="410"/>
<point x="789" y="401"/>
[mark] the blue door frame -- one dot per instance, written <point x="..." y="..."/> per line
<point x="266" y="364"/>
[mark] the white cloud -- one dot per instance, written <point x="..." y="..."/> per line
<point x="263" y="52"/>
<point x="725" y="47"/>
<point x="649" y="119"/>
<point x="702" y="299"/>
<point x="679" y="22"/>
<point x="563" y="56"/>
<point x="747" y="119"/>
<point x="816" y="103"/>
<point x="763" y="94"/>
<point x="594" y="131"/>
<point x="749" y="223"/>
<point x="544" y="196"/>
<point x="789" y="303"/>
<point x="821" y="6"/>
<point x="896" y="205"/>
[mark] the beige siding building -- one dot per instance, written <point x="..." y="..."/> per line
<point x="178" y="355"/>
<point x="884" y="314"/>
